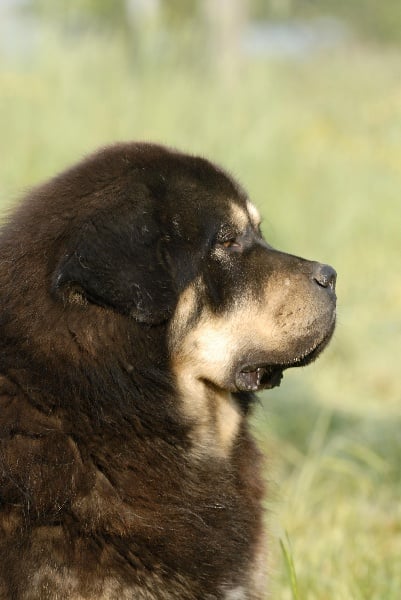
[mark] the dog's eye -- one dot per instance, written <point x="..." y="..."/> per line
<point x="229" y="239"/>
<point x="230" y="244"/>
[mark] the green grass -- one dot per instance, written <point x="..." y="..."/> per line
<point x="318" y="146"/>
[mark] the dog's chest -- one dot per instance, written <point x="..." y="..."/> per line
<point x="55" y="584"/>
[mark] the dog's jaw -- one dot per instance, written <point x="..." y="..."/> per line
<point x="262" y="376"/>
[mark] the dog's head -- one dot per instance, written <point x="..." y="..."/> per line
<point x="169" y="238"/>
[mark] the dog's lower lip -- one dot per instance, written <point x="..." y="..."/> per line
<point x="254" y="378"/>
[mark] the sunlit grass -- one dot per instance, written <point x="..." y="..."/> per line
<point x="337" y="498"/>
<point x="318" y="146"/>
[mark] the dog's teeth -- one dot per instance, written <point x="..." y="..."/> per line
<point x="250" y="379"/>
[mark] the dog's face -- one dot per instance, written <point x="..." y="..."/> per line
<point x="177" y="241"/>
<point x="252" y="311"/>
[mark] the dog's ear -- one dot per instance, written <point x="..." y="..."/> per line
<point x="119" y="260"/>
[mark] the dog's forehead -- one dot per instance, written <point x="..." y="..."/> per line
<point x="241" y="214"/>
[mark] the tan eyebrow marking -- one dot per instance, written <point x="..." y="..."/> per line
<point x="253" y="214"/>
<point x="239" y="217"/>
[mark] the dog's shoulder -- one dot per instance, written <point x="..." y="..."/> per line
<point x="40" y="464"/>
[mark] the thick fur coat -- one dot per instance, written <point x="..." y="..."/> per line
<point x="140" y="309"/>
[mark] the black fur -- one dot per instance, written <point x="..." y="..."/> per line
<point x="101" y="495"/>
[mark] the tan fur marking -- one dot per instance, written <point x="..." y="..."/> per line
<point x="212" y="411"/>
<point x="184" y="311"/>
<point x="239" y="216"/>
<point x="53" y="583"/>
<point x="50" y="583"/>
<point x="259" y="568"/>
<point x="253" y="214"/>
<point x="204" y="355"/>
<point x="75" y="296"/>
<point x="238" y="593"/>
<point x="228" y="419"/>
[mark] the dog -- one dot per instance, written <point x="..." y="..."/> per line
<point x="140" y="311"/>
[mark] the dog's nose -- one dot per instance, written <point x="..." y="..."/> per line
<point x="325" y="276"/>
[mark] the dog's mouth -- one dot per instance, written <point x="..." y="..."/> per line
<point x="252" y="378"/>
<point x="262" y="376"/>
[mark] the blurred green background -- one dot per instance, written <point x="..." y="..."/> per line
<point x="301" y="101"/>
